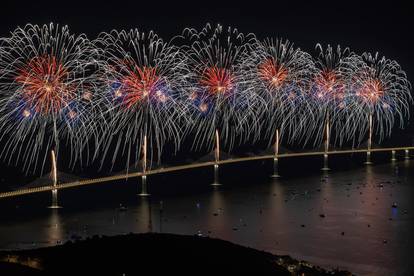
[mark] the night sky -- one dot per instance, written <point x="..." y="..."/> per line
<point x="361" y="25"/>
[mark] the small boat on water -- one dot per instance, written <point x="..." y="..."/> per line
<point x="122" y="208"/>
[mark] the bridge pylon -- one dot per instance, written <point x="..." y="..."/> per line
<point x="55" y="204"/>
<point x="393" y="157"/>
<point x="54" y="176"/>
<point x="217" y="159"/>
<point x="144" y="188"/>
<point x="276" y="158"/>
<point x="368" y="160"/>
<point x="407" y="154"/>
<point x="327" y="137"/>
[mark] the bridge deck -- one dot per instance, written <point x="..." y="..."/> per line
<point x="185" y="167"/>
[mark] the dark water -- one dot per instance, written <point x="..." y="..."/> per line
<point x="341" y="219"/>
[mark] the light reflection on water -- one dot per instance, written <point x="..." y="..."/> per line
<point x="337" y="219"/>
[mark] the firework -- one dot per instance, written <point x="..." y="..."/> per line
<point x="45" y="91"/>
<point x="332" y="95"/>
<point x="217" y="94"/>
<point x="129" y="94"/>
<point x="141" y="80"/>
<point x="381" y="90"/>
<point x="279" y="73"/>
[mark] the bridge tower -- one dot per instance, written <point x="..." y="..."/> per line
<point x="144" y="188"/>
<point x="276" y="157"/>
<point x="368" y="161"/>
<point x="54" y="177"/>
<point x="216" y="160"/>
<point x="325" y="155"/>
<point x="393" y="157"/>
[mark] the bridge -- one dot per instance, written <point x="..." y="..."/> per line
<point x="54" y="188"/>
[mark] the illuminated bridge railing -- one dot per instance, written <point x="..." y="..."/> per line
<point x="192" y="166"/>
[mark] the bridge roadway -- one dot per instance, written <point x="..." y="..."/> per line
<point x="185" y="167"/>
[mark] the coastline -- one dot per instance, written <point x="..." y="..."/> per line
<point x="133" y="254"/>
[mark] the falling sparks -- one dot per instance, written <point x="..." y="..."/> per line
<point x="43" y="84"/>
<point x="45" y="77"/>
<point x="110" y="93"/>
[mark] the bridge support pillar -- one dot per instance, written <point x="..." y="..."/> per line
<point x="368" y="160"/>
<point x="144" y="187"/>
<point x="216" y="176"/>
<point x="393" y="158"/>
<point x="325" y="163"/>
<point x="275" y="159"/>
<point x="275" y="168"/>
<point x="407" y="154"/>
<point x="55" y="204"/>
<point x="327" y="137"/>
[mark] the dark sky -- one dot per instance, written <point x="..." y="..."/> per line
<point x="362" y="25"/>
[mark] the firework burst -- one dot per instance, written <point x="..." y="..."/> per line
<point x="217" y="93"/>
<point x="45" y="83"/>
<point x="129" y="90"/>
<point x="279" y="73"/>
<point x="331" y="94"/>
<point x="381" y="89"/>
<point x="141" y="80"/>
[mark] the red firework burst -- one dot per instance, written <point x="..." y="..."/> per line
<point x="139" y="84"/>
<point x="217" y="80"/>
<point x="44" y="84"/>
<point x="273" y="73"/>
<point x="371" y="90"/>
<point x="328" y="84"/>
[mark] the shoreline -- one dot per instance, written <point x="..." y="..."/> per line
<point x="152" y="252"/>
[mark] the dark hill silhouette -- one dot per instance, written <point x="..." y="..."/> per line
<point x="152" y="254"/>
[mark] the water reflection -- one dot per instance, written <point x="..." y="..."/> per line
<point x="143" y="216"/>
<point x="343" y="218"/>
<point x="217" y="220"/>
<point x="54" y="228"/>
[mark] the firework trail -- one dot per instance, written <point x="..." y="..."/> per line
<point x="381" y="91"/>
<point x="141" y="80"/>
<point x="280" y="74"/>
<point x="128" y="90"/>
<point x="45" y="93"/>
<point x="332" y="94"/>
<point x="217" y="94"/>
